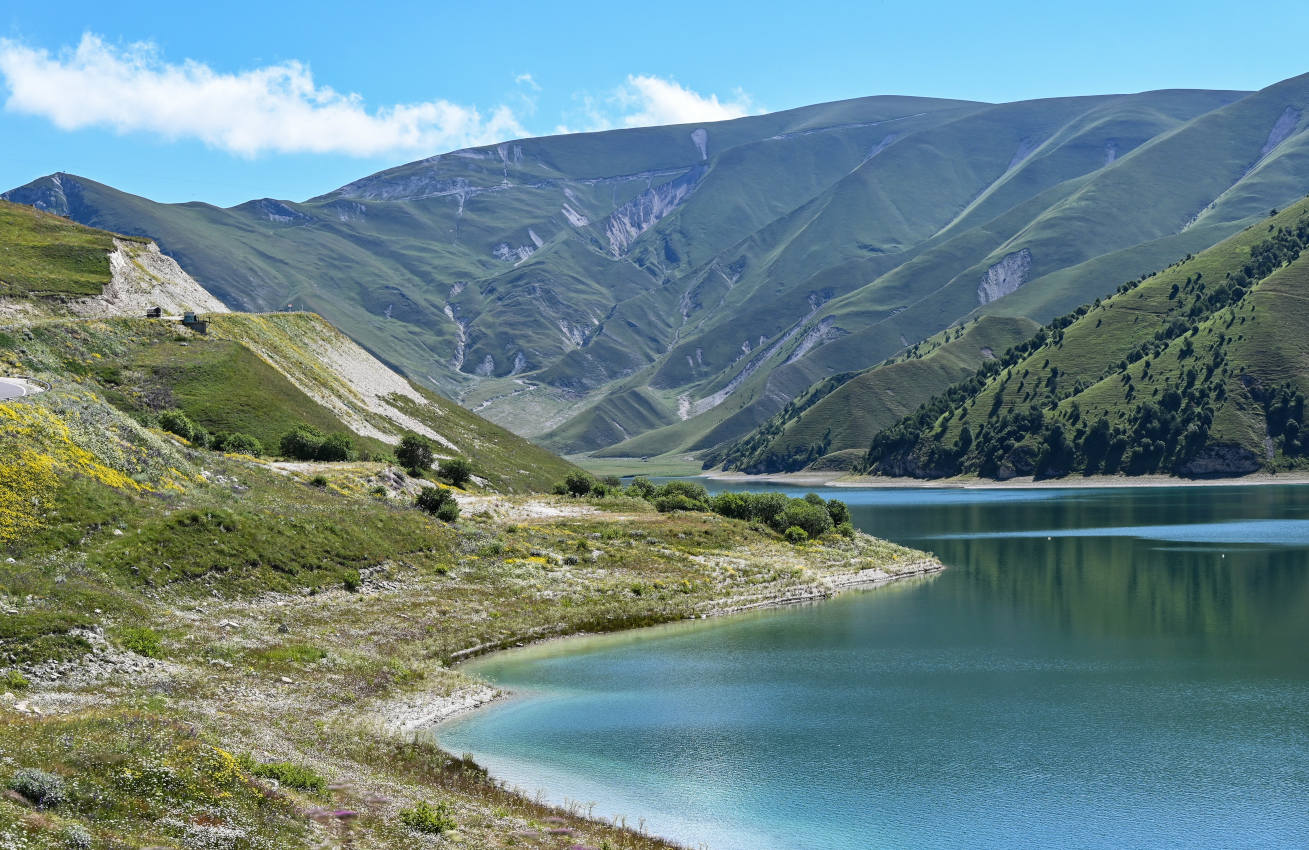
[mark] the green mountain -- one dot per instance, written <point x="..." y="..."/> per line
<point x="672" y="288"/>
<point x="1196" y="370"/>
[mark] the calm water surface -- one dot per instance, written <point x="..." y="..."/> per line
<point x="1098" y="668"/>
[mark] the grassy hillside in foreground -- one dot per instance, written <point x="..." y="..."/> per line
<point x="1197" y="370"/>
<point x="844" y="412"/>
<point x="182" y="626"/>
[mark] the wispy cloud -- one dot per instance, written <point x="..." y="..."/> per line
<point x="660" y="101"/>
<point x="527" y="80"/>
<point x="277" y="108"/>
<point x="645" y="100"/>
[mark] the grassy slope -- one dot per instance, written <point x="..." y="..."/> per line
<point x="45" y="255"/>
<point x="844" y="413"/>
<point x="1256" y="343"/>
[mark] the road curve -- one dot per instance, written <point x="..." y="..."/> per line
<point x="11" y="388"/>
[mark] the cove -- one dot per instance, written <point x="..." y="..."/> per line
<point x="1124" y="667"/>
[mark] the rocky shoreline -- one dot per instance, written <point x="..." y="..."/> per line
<point x="415" y="712"/>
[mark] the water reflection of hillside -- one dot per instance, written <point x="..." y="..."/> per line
<point x="1250" y="597"/>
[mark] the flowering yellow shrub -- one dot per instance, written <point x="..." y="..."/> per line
<point x="27" y="482"/>
<point x="35" y="445"/>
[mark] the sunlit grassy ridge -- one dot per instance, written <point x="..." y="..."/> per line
<point x="1196" y="370"/>
<point x="842" y="413"/>
<point x="45" y="255"/>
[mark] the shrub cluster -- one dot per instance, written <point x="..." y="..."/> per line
<point x="284" y="772"/>
<point x="414" y="453"/>
<point x="439" y="502"/>
<point x="428" y="818"/>
<point x="40" y="787"/>
<point x="177" y="422"/>
<point x="304" y="442"/>
<point x="456" y="471"/>
<point x="581" y="484"/>
<point x="796" y="519"/>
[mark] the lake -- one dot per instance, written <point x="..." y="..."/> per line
<point x="1097" y="668"/>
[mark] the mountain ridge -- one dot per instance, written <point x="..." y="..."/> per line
<point x="612" y="297"/>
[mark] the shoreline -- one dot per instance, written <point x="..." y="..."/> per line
<point x="418" y="713"/>
<point x="1089" y="482"/>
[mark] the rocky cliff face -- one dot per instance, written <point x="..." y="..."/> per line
<point x="646" y="209"/>
<point x="1005" y="276"/>
<point x="143" y="277"/>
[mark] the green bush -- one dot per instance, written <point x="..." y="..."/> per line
<point x="14" y="681"/>
<point x="142" y="640"/>
<point x="796" y="534"/>
<point x="456" y="470"/>
<point x="845" y="529"/>
<point x="641" y="488"/>
<point x="439" y="502"/>
<point x="177" y="422"/>
<point x="691" y="490"/>
<point x="352" y="580"/>
<point x="839" y="512"/>
<point x="415" y="453"/>
<point x="579" y="484"/>
<point x="764" y="507"/>
<point x="337" y="447"/>
<point x="678" y="502"/>
<point x="813" y="519"/>
<point x="38" y="786"/>
<point x="304" y="442"/>
<point x="238" y="443"/>
<point x="427" y="818"/>
<point x="287" y="774"/>
<point x="318" y="481"/>
<point x="731" y="505"/>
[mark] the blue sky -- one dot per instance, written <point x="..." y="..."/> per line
<point x="290" y="99"/>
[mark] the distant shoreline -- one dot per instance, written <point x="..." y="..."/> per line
<point x="839" y="479"/>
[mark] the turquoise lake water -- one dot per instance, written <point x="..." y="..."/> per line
<point x="1114" y="668"/>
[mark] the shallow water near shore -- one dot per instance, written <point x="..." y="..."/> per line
<point x="1097" y="668"/>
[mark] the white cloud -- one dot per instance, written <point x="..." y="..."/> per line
<point x="276" y="108"/>
<point x="645" y="100"/>
<point x="527" y="80"/>
<point x="660" y="101"/>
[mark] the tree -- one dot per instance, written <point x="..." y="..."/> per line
<point x="579" y="483"/>
<point x="302" y="443"/>
<point x="238" y="443"/>
<point x="456" y="470"/>
<point x="813" y="519"/>
<point x="414" y="453"/>
<point x="336" y="447"/>
<point x="439" y="502"/>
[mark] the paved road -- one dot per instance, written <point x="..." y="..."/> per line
<point x="16" y="388"/>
